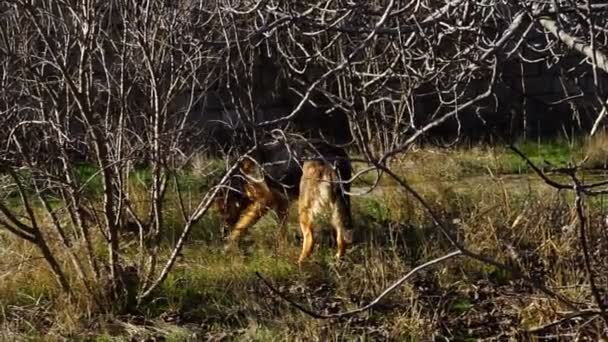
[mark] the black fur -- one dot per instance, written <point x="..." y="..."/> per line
<point x="281" y="165"/>
<point x="281" y="162"/>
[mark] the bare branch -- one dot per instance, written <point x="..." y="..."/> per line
<point x="572" y="42"/>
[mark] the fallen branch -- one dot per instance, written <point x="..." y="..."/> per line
<point x="363" y="308"/>
<point x="570" y="316"/>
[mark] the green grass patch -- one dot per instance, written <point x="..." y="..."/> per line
<point x="212" y="281"/>
<point x="461" y="305"/>
<point x="458" y="163"/>
<point x="547" y="154"/>
<point x="89" y="176"/>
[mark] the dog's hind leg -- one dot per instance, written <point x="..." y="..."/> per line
<point x="308" y="238"/>
<point x="339" y="219"/>
<point x="308" y="205"/>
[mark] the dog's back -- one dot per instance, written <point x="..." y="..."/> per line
<point x="282" y="162"/>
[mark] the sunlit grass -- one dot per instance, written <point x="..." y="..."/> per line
<point x="514" y="219"/>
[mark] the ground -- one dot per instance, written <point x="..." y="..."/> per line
<point x="487" y="198"/>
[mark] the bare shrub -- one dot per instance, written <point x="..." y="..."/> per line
<point x="99" y="102"/>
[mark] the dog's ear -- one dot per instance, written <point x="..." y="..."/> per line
<point x="247" y="166"/>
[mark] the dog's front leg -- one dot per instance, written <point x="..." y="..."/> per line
<point x="250" y="216"/>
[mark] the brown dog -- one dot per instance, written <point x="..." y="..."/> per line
<point x="277" y="173"/>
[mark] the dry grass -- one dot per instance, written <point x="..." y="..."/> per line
<point x="212" y="295"/>
<point x="596" y="150"/>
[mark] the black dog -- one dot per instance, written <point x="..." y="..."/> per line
<point x="275" y="173"/>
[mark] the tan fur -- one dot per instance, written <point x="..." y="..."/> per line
<point x="262" y="199"/>
<point x="319" y="190"/>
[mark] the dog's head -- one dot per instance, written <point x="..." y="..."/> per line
<point x="232" y="199"/>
